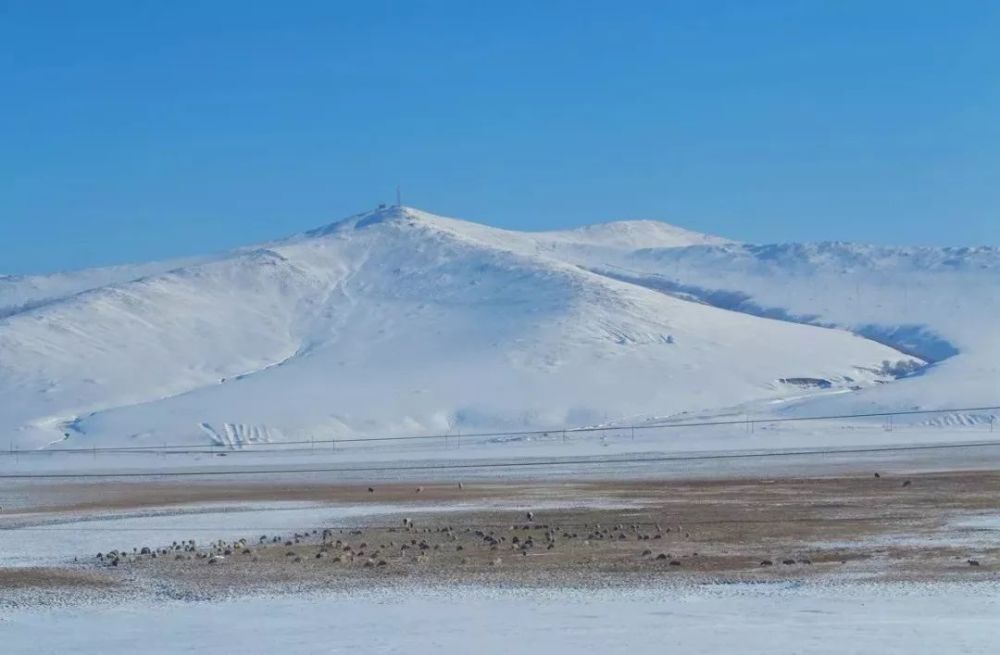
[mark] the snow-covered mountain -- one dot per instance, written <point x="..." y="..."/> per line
<point x="19" y="293"/>
<point x="397" y="321"/>
<point x="939" y="304"/>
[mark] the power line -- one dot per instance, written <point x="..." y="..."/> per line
<point x="499" y="465"/>
<point x="258" y="447"/>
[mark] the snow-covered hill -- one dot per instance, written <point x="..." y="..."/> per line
<point x="397" y="321"/>
<point x="939" y="304"/>
<point x="19" y="293"/>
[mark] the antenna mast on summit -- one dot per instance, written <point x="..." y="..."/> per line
<point x="399" y="201"/>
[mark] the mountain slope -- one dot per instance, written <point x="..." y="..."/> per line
<point x="20" y="293"/>
<point x="940" y="304"/>
<point x="398" y="321"/>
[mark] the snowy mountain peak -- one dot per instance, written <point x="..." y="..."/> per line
<point x="616" y="235"/>
<point x="379" y="215"/>
<point x="396" y="320"/>
<point x="638" y="234"/>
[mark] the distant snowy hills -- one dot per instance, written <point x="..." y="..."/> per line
<point x="397" y="321"/>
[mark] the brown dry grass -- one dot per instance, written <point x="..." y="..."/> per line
<point x="53" y="578"/>
<point x="711" y="530"/>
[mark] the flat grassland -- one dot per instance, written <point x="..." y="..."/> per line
<point x="891" y="527"/>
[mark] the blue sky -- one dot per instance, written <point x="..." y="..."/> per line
<point x="138" y="130"/>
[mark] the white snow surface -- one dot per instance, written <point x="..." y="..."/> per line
<point x="19" y="293"/>
<point x="940" y="304"/>
<point x="397" y="321"/>
<point x="775" y="619"/>
<point x="46" y="539"/>
<point x="43" y="541"/>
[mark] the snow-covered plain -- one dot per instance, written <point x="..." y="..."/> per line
<point x="775" y="619"/>
<point x="401" y="322"/>
<point x="814" y="448"/>
<point x="46" y="541"/>
<point x="54" y="540"/>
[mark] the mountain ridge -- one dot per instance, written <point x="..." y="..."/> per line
<point x="376" y="321"/>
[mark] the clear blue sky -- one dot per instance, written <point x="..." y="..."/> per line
<point x="135" y="130"/>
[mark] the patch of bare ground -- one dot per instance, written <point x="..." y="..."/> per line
<point x="53" y="578"/>
<point x="91" y="497"/>
<point x="885" y="527"/>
